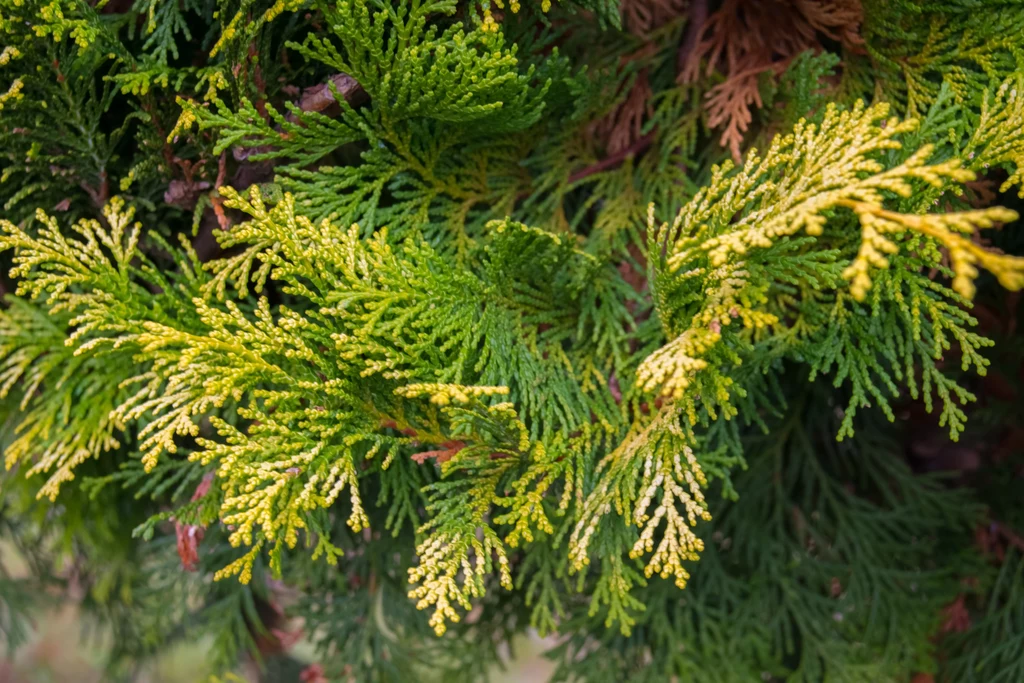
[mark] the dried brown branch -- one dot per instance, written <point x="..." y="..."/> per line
<point x="99" y="195"/>
<point x="623" y="126"/>
<point x="1009" y="535"/>
<point x="640" y="17"/>
<point x="189" y="536"/>
<point x="442" y="455"/>
<point x="215" y="199"/>
<point x="745" y="39"/>
<point x="320" y="97"/>
<point x="730" y="108"/>
<point x="698" y="16"/>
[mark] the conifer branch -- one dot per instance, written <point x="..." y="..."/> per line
<point x="438" y="352"/>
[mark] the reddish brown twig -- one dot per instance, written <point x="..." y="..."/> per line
<point x="1008" y="535"/>
<point x="98" y="195"/>
<point x="216" y="201"/>
<point x="447" y="451"/>
<point x="191" y="535"/>
<point x="698" y="15"/>
<point x="613" y="160"/>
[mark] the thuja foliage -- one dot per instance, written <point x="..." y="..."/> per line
<point x="403" y="327"/>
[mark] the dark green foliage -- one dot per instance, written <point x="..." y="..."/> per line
<point x="792" y="578"/>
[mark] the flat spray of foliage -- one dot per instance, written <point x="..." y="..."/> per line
<point x="518" y="314"/>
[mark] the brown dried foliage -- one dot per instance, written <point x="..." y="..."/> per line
<point x="321" y="97"/>
<point x="746" y="39"/>
<point x="640" y="17"/>
<point x="446" y="452"/>
<point x="623" y="126"/>
<point x="621" y="129"/>
<point x="956" y="617"/>
<point x="189" y="536"/>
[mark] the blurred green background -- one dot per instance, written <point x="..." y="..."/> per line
<point x="66" y="646"/>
